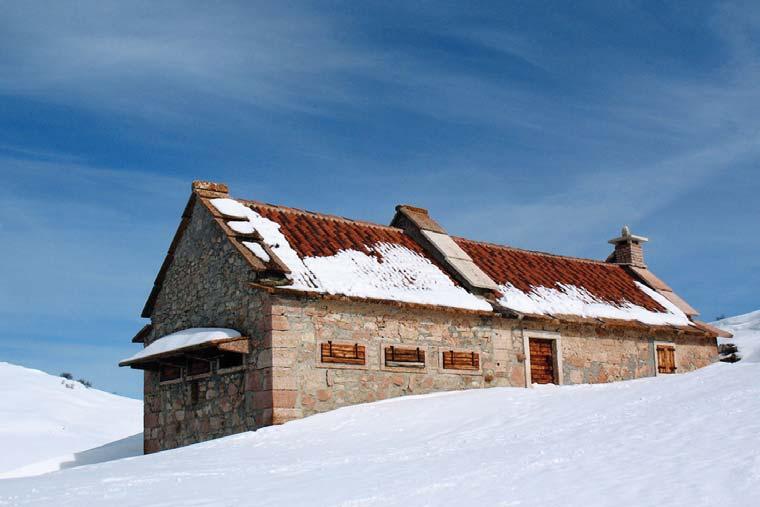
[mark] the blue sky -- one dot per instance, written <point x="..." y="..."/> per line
<point x="544" y="125"/>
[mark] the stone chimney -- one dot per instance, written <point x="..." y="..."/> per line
<point x="628" y="249"/>
<point x="210" y="189"/>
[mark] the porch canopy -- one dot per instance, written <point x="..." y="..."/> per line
<point x="175" y="348"/>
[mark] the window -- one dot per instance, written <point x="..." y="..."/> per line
<point x="407" y="357"/>
<point x="461" y="360"/>
<point x="195" y="390"/>
<point x="198" y="366"/>
<point x="343" y="353"/>
<point x="169" y="372"/>
<point x="666" y="359"/>
<point x="230" y="360"/>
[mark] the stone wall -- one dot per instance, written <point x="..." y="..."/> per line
<point x="303" y="385"/>
<point x="206" y="285"/>
<point x="594" y="355"/>
<point x="174" y="420"/>
<point x="693" y="352"/>
<point x="308" y="386"/>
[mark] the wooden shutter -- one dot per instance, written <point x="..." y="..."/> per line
<point x="408" y="357"/>
<point x="461" y="360"/>
<point x="343" y="353"/>
<point x="666" y="359"/>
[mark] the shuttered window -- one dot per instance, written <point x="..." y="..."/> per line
<point x="407" y="357"/>
<point x="461" y="360"/>
<point x="666" y="359"/>
<point x="343" y="353"/>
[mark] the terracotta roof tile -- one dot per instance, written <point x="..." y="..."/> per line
<point x="318" y="235"/>
<point x="315" y="235"/>
<point x="527" y="269"/>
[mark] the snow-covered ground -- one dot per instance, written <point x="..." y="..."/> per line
<point x="678" y="440"/>
<point x="48" y="423"/>
<point x="746" y="331"/>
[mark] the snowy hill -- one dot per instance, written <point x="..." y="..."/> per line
<point x="680" y="440"/>
<point x="47" y="423"/>
<point x="746" y="331"/>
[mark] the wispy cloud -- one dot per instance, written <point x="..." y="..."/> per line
<point x="80" y="236"/>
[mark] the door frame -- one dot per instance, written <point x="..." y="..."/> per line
<point x="657" y="359"/>
<point x="556" y="339"/>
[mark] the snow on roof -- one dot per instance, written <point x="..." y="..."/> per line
<point x="183" y="339"/>
<point x="573" y="300"/>
<point x="257" y="250"/>
<point x="335" y="255"/>
<point x="375" y="262"/>
<point x="547" y="284"/>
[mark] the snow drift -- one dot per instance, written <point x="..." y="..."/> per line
<point x="48" y="423"/>
<point x="746" y="331"/>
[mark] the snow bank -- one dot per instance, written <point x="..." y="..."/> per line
<point x="572" y="300"/>
<point x="47" y="422"/>
<point x="690" y="439"/>
<point x="125" y="448"/>
<point x="185" y="338"/>
<point x="746" y="331"/>
<point x="401" y="275"/>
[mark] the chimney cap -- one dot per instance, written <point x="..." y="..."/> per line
<point x="414" y="209"/>
<point x="210" y="188"/>
<point x="627" y="237"/>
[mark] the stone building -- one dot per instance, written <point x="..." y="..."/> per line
<point x="261" y="314"/>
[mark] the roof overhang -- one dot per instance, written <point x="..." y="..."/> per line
<point x="142" y="333"/>
<point x="239" y="344"/>
<point x="650" y="279"/>
<point x="720" y="333"/>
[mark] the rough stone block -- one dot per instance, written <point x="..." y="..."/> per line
<point x="284" y="399"/>
<point x="283" y="415"/>
<point x="150" y="420"/>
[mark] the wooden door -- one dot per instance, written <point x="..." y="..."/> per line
<point x="541" y="361"/>
<point x="666" y="359"/>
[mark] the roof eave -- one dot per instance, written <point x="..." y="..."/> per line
<point x="240" y="342"/>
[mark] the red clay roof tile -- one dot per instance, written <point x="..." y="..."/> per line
<point x="527" y="269"/>
<point x="317" y="235"/>
<point x="314" y="235"/>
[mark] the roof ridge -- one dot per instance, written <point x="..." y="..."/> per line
<point x="538" y="252"/>
<point x="300" y="211"/>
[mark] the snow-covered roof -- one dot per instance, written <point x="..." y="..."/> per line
<point x="314" y="253"/>
<point x="544" y="284"/>
<point x="340" y="256"/>
<point x="335" y="256"/>
<point x="181" y="340"/>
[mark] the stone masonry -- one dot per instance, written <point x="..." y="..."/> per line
<point x="206" y="285"/>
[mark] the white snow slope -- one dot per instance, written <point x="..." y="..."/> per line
<point x="746" y="331"/>
<point x="48" y="423"/>
<point x="677" y="440"/>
